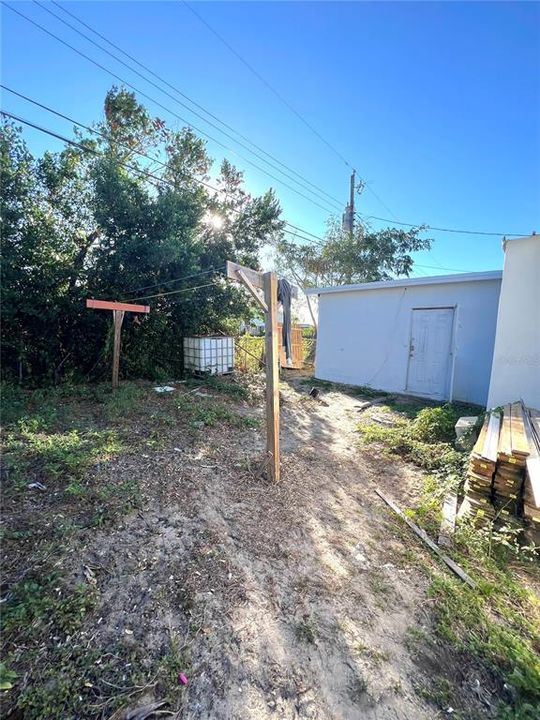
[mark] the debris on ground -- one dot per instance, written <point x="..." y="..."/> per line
<point x="37" y="486"/>
<point x="375" y="401"/>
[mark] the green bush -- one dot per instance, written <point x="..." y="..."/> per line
<point x="436" y="424"/>
<point x="249" y="353"/>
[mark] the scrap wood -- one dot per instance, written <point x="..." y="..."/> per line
<point x="520" y="445"/>
<point x="492" y="439"/>
<point x="375" y="401"/>
<point x="448" y="522"/>
<point x="505" y="440"/>
<point x="479" y="444"/>
<point x="429" y="542"/>
<point x="141" y="712"/>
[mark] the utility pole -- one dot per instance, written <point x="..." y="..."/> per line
<point x="348" y="215"/>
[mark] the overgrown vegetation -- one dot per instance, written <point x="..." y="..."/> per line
<point x="423" y="435"/>
<point x="88" y="222"/>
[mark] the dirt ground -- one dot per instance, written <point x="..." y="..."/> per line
<point x="303" y="600"/>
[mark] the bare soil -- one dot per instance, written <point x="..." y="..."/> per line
<point x="302" y="600"/>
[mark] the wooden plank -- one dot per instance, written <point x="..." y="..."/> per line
<point x="505" y="441"/>
<point x="492" y="442"/>
<point x="118" y="318"/>
<point x="429" y="542"/>
<point x="532" y="478"/>
<point x="448" y="522"/>
<point x="254" y="277"/>
<point x="126" y="307"/>
<point x="272" y="345"/>
<point x="520" y="445"/>
<point x="479" y="444"/>
<point x="254" y="294"/>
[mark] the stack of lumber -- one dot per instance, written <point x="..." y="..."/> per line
<point x="482" y="466"/>
<point x="512" y="454"/>
<point x="503" y="477"/>
<point x="531" y="486"/>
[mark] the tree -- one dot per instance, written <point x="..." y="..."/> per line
<point x="102" y="220"/>
<point x="342" y="259"/>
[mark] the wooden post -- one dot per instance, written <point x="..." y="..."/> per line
<point x="255" y="281"/>
<point x="272" y="346"/>
<point x="118" y="318"/>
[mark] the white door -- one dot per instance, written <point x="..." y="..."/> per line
<point x="430" y="352"/>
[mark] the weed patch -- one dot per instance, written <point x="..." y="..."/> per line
<point x="123" y="401"/>
<point x="305" y="631"/>
<point x="465" y="619"/>
<point x="376" y="656"/>
<point x="209" y="414"/>
<point x="35" y="606"/>
<point x="57" y="455"/>
<point x="425" y="441"/>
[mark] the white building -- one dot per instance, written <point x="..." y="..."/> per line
<point x="516" y="360"/>
<point x="435" y="336"/>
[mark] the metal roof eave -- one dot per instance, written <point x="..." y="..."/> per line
<point x="406" y="282"/>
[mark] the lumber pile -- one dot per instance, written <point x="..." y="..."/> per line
<point x="531" y="487"/>
<point x="482" y="465"/>
<point x="503" y="477"/>
<point x="511" y="460"/>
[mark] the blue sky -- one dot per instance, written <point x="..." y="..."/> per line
<point x="436" y="105"/>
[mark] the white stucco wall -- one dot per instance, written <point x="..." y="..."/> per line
<point x="363" y="336"/>
<point x="516" y="359"/>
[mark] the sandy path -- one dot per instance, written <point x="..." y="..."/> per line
<point x="295" y="601"/>
<point x="321" y="632"/>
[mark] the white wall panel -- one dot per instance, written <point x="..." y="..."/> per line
<point x="363" y="336"/>
<point x="516" y="363"/>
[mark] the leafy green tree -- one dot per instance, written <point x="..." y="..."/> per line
<point x="102" y="220"/>
<point x="342" y="258"/>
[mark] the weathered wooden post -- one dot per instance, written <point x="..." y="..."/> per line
<point x="118" y="310"/>
<point x="267" y="282"/>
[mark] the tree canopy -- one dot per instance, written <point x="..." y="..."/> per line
<point x="342" y="259"/>
<point x="126" y="208"/>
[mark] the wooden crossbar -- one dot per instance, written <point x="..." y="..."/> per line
<point x="109" y="305"/>
<point x="118" y="310"/>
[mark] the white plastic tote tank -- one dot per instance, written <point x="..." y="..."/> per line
<point x="209" y="354"/>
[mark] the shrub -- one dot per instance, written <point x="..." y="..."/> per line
<point x="436" y="424"/>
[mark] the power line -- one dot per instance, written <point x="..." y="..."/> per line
<point x="164" y="107"/>
<point x="171" y="292"/>
<point x="105" y="136"/>
<point x="372" y="191"/>
<point x="169" y="282"/>
<point x="282" y="99"/>
<point x="182" y="94"/>
<point x="301" y="183"/>
<point x="296" y="229"/>
<point x="449" y="230"/>
<point x="127" y="147"/>
<point x="268" y="85"/>
<point x="85" y="148"/>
